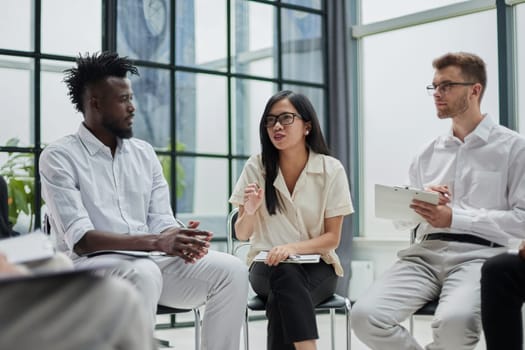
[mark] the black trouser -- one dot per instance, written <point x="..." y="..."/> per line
<point x="502" y="295"/>
<point x="291" y="292"/>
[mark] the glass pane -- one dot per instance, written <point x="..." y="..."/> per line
<point x="18" y="171"/>
<point x="204" y="196"/>
<point x="249" y="100"/>
<point x="16" y="99"/>
<point x="201" y="33"/>
<point x="71" y="26"/>
<point x="302" y="46"/>
<point x="152" y="102"/>
<point x="238" y="165"/>
<point x="253" y="47"/>
<point x="395" y="103"/>
<point x="143" y="29"/>
<point x="315" y="4"/>
<point x="16" y="18"/>
<point x="317" y="97"/>
<point x="201" y="110"/>
<point x="379" y="10"/>
<point x="520" y="57"/>
<point x="59" y="116"/>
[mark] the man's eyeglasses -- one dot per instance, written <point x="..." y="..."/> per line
<point x="445" y="87"/>
<point x="283" y="119"/>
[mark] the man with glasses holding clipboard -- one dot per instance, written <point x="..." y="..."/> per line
<point x="478" y="170"/>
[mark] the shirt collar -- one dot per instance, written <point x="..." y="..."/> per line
<point x="314" y="163"/>
<point x="481" y="132"/>
<point x="94" y="145"/>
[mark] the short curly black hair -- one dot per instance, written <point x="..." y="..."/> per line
<point x="93" y="68"/>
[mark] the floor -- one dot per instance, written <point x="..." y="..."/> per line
<point x="183" y="338"/>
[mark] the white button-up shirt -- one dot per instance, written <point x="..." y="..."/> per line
<point x="87" y="188"/>
<point x="486" y="176"/>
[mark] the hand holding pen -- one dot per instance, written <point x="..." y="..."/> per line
<point x="444" y="193"/>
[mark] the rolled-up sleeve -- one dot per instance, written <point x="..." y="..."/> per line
<point x="340" y="202"/>
<point x="62" y="195"/>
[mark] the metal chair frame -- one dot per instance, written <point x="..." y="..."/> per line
<point x="336" y="302"/>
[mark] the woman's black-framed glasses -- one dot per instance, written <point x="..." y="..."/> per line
<point x="286" y="118"/>
<point x="445" y="86"/>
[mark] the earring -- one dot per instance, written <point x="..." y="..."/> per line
<point x="307" y="132"/>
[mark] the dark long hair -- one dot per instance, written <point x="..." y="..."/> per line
<point x="270" y="154"/>
<point x="93" y="68"/>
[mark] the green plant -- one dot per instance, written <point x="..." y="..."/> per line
<point x="19" y="173"/>
<point x="165" y="161"/>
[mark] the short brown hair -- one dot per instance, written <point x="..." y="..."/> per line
<point x="471" y="65"/>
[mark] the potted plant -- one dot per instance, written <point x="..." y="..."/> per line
<point x="19" y="173"/>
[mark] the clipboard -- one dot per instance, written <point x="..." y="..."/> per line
<point x="27" y="247"/>
<point x="134" y="253"/>
<point x="393" y="202"/>
<point x="294" y="259"/>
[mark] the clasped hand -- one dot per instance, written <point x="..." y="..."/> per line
<point x="189" y="243"/>
<point x="438" y="215"/>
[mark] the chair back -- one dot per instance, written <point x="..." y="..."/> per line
<point x="46" y="224"/>
<point x="230" y="226"/>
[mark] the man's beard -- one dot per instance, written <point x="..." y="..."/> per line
<point x="119" y="132"/>
<point x="459" y="108"/>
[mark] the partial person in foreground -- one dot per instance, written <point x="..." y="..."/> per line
<point x="105" y="190"/>
<point x="46" y="305"/>
<point x="69" y="310"/>
<point x="479" y="170"/>
<point x="502" y="297"/>
<point x="292" y="199"/>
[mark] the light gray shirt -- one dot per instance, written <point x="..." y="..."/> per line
<point x="87" y="188"/>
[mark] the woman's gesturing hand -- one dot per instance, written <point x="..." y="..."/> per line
<point x="253" y="197"/>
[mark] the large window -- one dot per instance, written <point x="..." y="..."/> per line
<point x="36" y="109"/>
<point x="207" y="68"/>
<point x="396" y="44"/>
<point x="398" y="116"/>
<point x="380" y="10"/>
<point x="202" y="90"/>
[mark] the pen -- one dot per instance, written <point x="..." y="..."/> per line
<point x="181" y="224"/>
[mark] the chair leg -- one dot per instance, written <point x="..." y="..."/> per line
<point x="411" y="325"/>
<point x="332" y="327"/>
<point x="348" y="307"/>
<point x="197" y="328"/>
<point x="246" y="338"/>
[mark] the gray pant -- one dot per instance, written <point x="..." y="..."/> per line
<point x="425" y="271"/>
<point x="72" y="311"/>
<point x="218" y="280"/>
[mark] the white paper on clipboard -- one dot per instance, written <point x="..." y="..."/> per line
<point x="393" y="202"/>
<point x="27" y="247"/>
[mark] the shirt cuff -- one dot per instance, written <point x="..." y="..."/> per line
<point x="341" y="211"/>
<point x="461" y="220"/>
<point x="158" y="224"/>
<point x="76" y="231"/>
